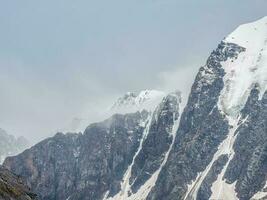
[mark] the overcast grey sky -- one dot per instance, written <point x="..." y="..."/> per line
<point x="61" y="59"/>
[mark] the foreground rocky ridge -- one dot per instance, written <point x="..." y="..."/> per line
<point x="213" y="148"/>
<point x="13" y="188"/>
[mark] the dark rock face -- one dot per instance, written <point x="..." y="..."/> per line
<point x="202" y="129"/>
<point x="249" y="165"/>
<point x="157" y="142"/>
<point x="13" y="188"/>
<point x="82" y="166"/>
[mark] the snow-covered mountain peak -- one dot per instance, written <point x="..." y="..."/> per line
<point x="248" y="69"/>
<point x="251" y="35"/>
<point x="131" y="102"/>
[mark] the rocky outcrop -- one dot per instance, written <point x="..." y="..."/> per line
<point x="13" y="188"/>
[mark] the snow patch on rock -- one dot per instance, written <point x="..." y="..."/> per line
<point x="248" y="69"/>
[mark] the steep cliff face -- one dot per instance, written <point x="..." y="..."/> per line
<point x="13" y="188"/>
<point x="213" y="148"/>
<point x="202" y="128"/>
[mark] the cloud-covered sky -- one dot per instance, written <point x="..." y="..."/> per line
<point x="61" y="59"/>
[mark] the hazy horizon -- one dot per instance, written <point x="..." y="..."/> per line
<point x="62" y="60"/>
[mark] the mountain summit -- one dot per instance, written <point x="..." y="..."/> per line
<point x="132" y="102"/>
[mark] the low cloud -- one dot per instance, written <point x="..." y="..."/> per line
<point x="180" y="79"/>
